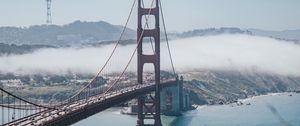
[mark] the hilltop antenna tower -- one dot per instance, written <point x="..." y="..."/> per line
<point x="49" y="18"/>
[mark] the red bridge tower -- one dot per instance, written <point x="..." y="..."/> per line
<point x="148" y="109"/>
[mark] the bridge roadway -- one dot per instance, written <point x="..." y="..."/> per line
<point x="71" y="113"/>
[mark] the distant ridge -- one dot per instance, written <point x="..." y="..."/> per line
<point x="77" y="32"/>
<point x="209" y="32"/>
<point x="290" y="35"/>
<point x="99" y="33"/>
<point x="287" y="35"/>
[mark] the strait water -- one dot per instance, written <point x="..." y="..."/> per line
<point x="271" y="110"/>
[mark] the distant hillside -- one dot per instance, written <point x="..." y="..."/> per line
<point x="99" y="33"/>
<point x="214" y="87"/>
<point x="290" y="35"/>
<point x="75" y="33"/>
<point x="287" y="35"/>
<point x="10" y="49"/>
<point x="209" y="32"/>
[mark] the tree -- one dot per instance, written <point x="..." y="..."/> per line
<point x="98" y="82"/>
<point x="58" y="79"/>
<point x="1" y="85"/>
<point x="25" y="79"/>
<point x="38" y="79"/>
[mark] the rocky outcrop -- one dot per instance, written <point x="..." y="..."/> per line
<point x="221" y="87"/>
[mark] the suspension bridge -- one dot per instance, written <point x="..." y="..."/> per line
<point x="155" y="96"/>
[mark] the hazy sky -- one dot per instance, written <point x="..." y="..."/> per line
<point x="180" y="14"/>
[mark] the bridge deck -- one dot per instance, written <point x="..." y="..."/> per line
<point x="72" y="113"/>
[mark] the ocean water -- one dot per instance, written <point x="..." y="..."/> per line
<point x="275" y="110"/>
<point x="270" y="110"/>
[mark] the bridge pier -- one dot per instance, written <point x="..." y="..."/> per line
<point x="172" y="99"/>
<point x="186" y="100"/>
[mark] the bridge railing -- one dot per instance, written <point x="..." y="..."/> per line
<point x="13" y="108"/>
<point x="16" y="110"/>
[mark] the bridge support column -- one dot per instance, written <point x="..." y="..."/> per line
<point x="186" y="100"/>
<point x="172" y="99"/>
<point x="149" y="106"/>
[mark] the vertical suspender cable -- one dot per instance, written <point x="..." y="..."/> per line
<point x="19" y="111"/>
<point x="2" y="102"/>
<point x="8" y="113"/>
<point x="26" y="110"/>
<point x="14" y="110"/>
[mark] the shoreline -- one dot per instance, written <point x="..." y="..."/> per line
<point x="171" y="120"/>
<point x="249" y="99"/>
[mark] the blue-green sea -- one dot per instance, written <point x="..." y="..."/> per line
<point x="270" y="110"/>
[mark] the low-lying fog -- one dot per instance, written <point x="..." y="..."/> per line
<point x="222" y="52"/>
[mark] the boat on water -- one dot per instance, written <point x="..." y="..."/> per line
<point x="127" y="111"/>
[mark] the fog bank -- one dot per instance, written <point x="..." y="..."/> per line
<point x="222" y="52"/>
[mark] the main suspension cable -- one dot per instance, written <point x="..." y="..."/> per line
<point x="167" y="39"/>
<point x="93" y="79"/>
<point x="21" y="99"/>
<point x="110" y="56"/>
<point x="138" y="43"/>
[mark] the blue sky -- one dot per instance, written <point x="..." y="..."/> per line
<point x="181" y="15"/>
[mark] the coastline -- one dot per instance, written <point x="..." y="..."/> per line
<point x="171" y="120"/>
<point x="194" y="116"/>
<point x="248" y="100"/>
<point x="265" y="110"/>
<point x="266" y="95"/>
